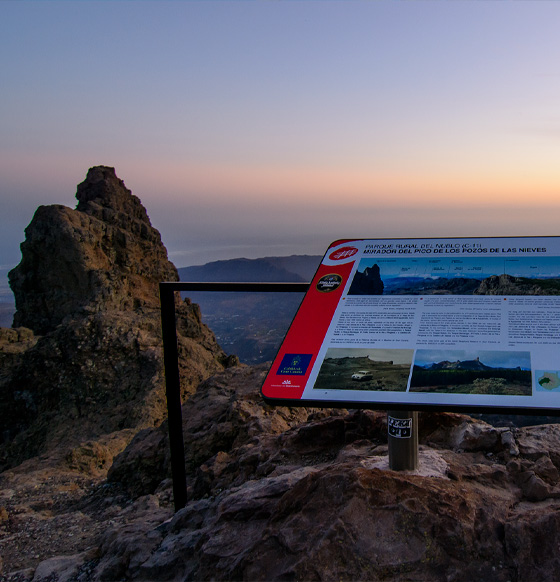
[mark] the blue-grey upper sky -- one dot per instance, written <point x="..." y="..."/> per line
<point x="260" y="128"/>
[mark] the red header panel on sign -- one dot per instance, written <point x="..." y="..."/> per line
<point x="455" y="324"/>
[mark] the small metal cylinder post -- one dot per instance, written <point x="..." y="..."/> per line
<point x="402" y="428"/>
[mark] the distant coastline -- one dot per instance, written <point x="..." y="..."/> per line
<point x="7" y="301"/>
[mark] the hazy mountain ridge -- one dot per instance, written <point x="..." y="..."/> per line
<point x="251" y="325"/>
<point x="293" y="268"/>
<point x="429" y="285"/>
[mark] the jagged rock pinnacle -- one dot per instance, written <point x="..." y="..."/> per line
<point x="105" y="254"/>
<point x="103" y="195"/>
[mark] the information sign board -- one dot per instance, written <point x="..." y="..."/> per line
<point x="468" y="324"/>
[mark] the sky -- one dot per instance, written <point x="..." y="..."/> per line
<point x="262" y="128"/>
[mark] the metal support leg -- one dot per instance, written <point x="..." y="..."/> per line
<point x="402" y="429"/>
<point x="171" y="361"/>
<point x="173" y="393"/>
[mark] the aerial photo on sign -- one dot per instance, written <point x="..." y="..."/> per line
<point x="469" y="324"/>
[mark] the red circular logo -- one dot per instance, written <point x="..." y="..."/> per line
<point x="343" y="253"/>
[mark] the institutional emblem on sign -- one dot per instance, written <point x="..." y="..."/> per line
<point x="294" y="364"/>
<point x="343" y="253"/>
<point x="329" y="283"/>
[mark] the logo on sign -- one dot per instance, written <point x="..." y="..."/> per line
<point x="329" y="283"/>
<point x="343" y="253"/>
<point x="294" y="364"/>
<point x="400" y="428"/>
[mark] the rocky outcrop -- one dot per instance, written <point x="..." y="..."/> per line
<point x="220" y="419"/>
<point x="103" y="255"/>
<point x="13" y="342"/>
<point x="87" y="286"/>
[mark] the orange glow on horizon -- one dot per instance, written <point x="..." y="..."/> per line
<point x="349" y="187"/>
<point x="277" y="186"/>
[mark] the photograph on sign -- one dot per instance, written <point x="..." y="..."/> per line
<point x="364" y="369"/>
<point x="460" y="372"/>
<point x="469" y="323"/>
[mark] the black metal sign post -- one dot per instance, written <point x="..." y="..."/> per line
<point x="171" y="362"/>
<point x="173" y="394"/>
<point x="402" y="430"/>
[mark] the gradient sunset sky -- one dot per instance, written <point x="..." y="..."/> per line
<point x="275" y="127"/>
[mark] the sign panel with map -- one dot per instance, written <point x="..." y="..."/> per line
<point x="467" y="324"/>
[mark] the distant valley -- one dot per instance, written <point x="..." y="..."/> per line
<point x="293" y="268"/>
<point x="250" y="325"/>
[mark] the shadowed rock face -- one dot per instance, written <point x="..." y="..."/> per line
<point x="103" y="255"/>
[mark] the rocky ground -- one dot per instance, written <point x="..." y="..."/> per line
<point x="298" y="494"/>
<point x="47" y="512"/>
